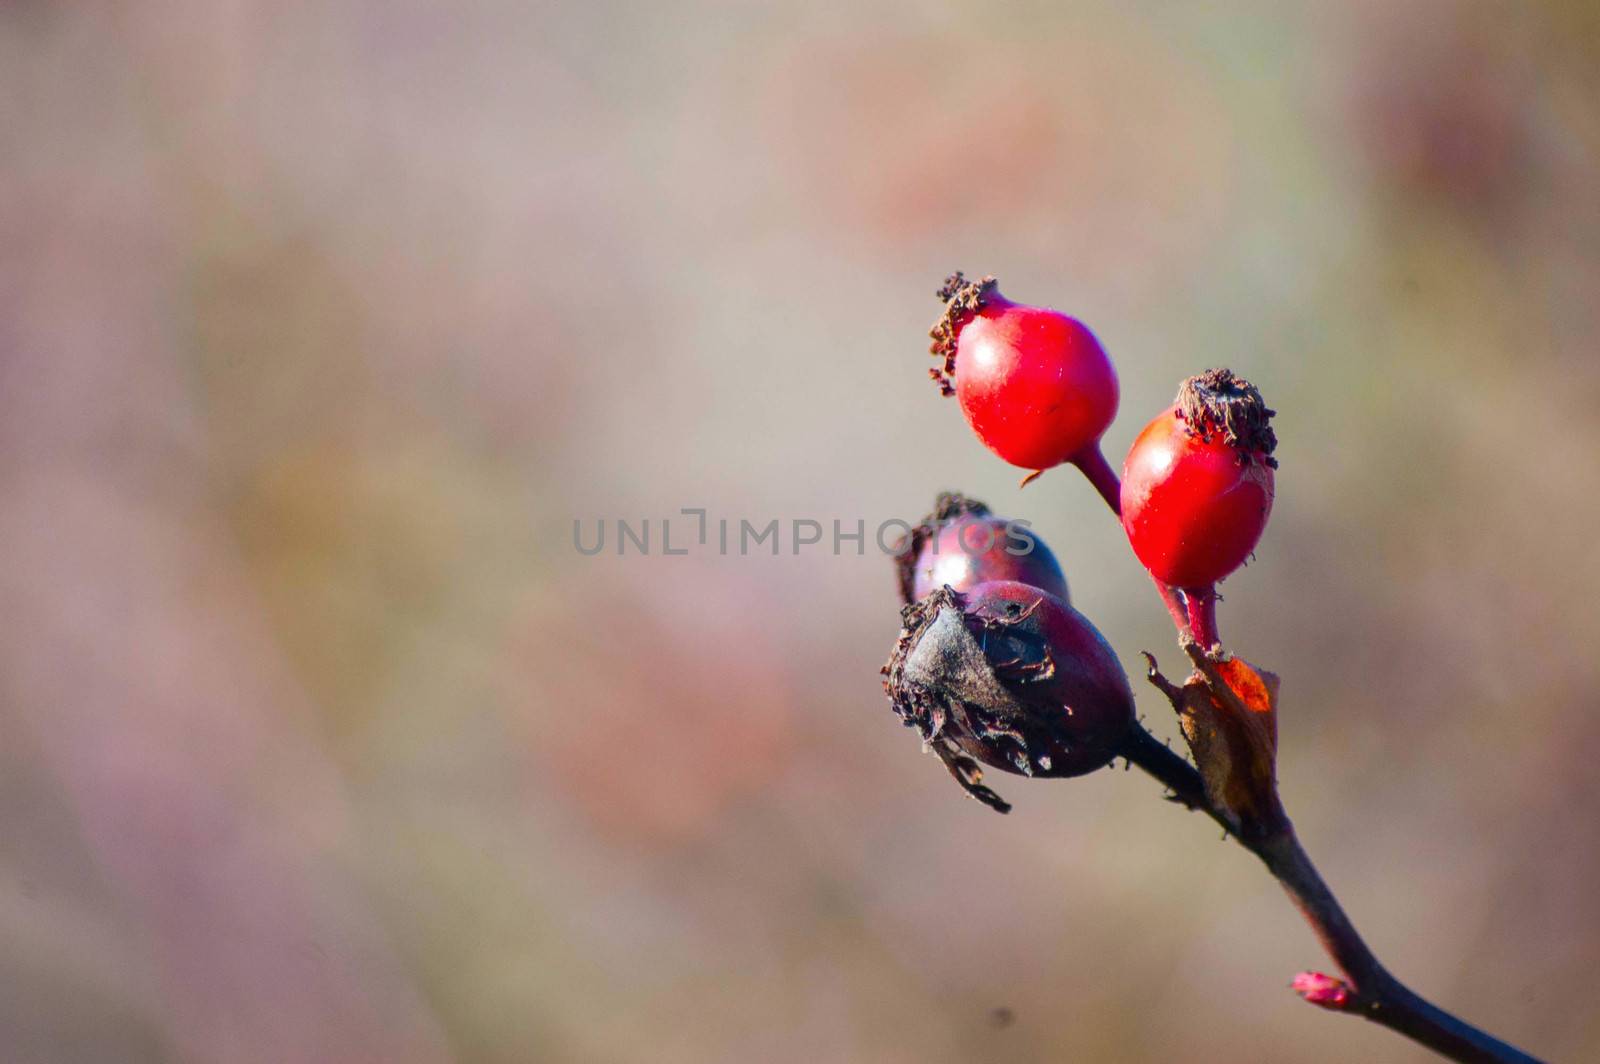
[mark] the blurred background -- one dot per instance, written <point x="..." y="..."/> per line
<point x="321" y="325"/>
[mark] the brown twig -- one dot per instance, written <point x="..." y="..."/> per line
<point x="1371" y="991"/>
<point x="1368" y="990"/>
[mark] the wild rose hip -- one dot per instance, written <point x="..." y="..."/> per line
<point x="1006" y="674"/>
<point x="1011" y="677"/>
<point x="962" y="544"/>
<point x="1034" y="384"/>
<point x="1197" y="487"/>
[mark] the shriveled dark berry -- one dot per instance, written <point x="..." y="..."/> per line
<point x="1008" y="676"/>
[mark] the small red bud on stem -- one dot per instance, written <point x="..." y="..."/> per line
<point x="1322" y="990"/>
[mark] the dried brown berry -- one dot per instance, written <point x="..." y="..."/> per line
<point x="1008" y="676"/>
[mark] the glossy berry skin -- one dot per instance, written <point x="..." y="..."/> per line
<point x="1034" y="384"/>
<point x="1086" y="702"/>
<point x="1012" y="677"/>
<point x="1193" y="508"/>
<point x="973" y="549"/>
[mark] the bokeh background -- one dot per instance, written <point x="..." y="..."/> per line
<point x="321" y="324"/>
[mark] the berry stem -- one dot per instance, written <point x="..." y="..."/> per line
<point x="1092" y="461"/>
<point x="1202" y="603"/>
<point x="1174" y="601"/>
<point x="1171" y="769"/>
<point x="1373" y="992"/>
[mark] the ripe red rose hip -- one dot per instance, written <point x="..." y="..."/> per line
<point x="1012" y="677"/>
<point x="1034" y="384"/>
<point x="1198" y="483"/>
<point x="961" y="544"/>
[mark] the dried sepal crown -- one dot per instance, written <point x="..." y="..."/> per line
<point x="962" y="299"/>
<point x="1220" y="402"/>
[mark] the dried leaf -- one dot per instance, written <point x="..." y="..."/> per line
<point x="1228" y="711"/>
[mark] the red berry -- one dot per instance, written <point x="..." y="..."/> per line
<point x="1034" y="384"/>
<point x="961" y="544"/>
<point x="1197" y="486"/>
<point x="1012" y="677"/>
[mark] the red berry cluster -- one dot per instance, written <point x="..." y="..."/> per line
<point x="993" y="665"/>
<point x="995" y="669"/>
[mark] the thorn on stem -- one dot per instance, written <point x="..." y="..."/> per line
<point x="1161" y="683"/>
